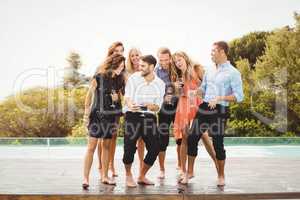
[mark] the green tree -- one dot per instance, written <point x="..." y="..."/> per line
<point x="250" y="47"/>
<point x="42" y="112"/>
<point x="278" y="70"/>
<point x="72" y="77"/>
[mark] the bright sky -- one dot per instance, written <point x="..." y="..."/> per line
<point x="36" y="34"/>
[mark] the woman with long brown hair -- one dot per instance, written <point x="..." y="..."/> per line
<point x="114" y="48"/>
<point x="188" y="77"/>
<point x="102" y="106"/>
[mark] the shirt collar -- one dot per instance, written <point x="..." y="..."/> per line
<point x="154" y="80"/>
<point x="225" y="64"/>
<point x="160" y="68"/>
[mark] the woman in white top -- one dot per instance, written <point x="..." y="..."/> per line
<point x="132" y="66"/>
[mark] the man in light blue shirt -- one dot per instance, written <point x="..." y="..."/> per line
<point x="221" y="85"/>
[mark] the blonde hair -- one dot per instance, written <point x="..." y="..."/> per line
<point x="129" y="65"/>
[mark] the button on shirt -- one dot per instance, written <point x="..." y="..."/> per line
<point x="223" y="81"/>
<point x="141" y="92"/>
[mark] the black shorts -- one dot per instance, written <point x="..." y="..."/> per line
<point x="213" y="121"/>
<point x="166" y="117"/>
<point x="102" y="127"/>
<point x="143" y="126"/>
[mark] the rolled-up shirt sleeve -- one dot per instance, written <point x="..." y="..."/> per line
<point x="160" y="99"/>
<point x="237" y="86"/>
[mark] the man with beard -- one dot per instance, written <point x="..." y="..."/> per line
<point x="144" y="93"/>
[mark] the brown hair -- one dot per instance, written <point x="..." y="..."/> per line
<point x="111" y="63"/>
<point x="149" y="59"/>
<point x="222" y="45"/>
<point x="112" y="47"/>
<point x="164" y="50"/>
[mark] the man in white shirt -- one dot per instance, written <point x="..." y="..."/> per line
<point x="144" y="93"/>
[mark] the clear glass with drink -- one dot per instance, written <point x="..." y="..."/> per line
<point x="113" y="92"/>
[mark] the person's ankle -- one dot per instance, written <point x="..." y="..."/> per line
<point x="85" y="181"/>
<point x="141" y="177"/>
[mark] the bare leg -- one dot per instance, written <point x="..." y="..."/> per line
<point x="141" y="150"/>
<point x="142" y="178"/>
<point x="162" y="156"/>
<point x="209" y="148"/>
<point x="112" y="152"/>
<point x="191" y="163"/>
<point x="185" y="176"/>
<point x="99" y="157"/>
<point x="129" y="178"/>
<point x="183" y="151"/>
<point x="178" y="156"/>
<point x="88" y="159"/>
<point x="189" y="174"/>
<point x="221" y="175"/>
<point x="105" y="161"/>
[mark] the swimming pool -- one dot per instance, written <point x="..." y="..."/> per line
<point x="74" y="148"/>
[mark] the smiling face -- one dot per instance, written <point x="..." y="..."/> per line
<point x="216" y="54"/>
<point x="120" y="68"/>
<point x="135" y="58"/>
<point x="119" y="50"/>
<point x="180" y="63"/>
<point x="164" y="60"/>
<point x="145" y="68"/>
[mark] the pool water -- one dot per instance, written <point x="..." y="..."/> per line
<point x="77" y="152"/>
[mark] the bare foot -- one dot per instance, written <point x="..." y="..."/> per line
<point x="108" y="181"/>
<point x="191" y="176"/>
<point x="85" y="184"/>
<point x="180" y="172"/>
<point x="181" y="177"/>
<point x="100" y="173"/>
<point x="161" y="175"/>
<point x="185" y="179"/>
<point x="144" y="181"/>
<point x="221" y="182"/>
<point x="113" y="172"/>
<point x="130" y="182"/>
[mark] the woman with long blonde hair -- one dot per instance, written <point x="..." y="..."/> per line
<point x="132" y="66"/>
<point x="187" y="77"/>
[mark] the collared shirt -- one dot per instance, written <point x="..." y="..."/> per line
<point x="223" y="81"/>
<point x="141" y="92"/>
<point x="163" y="74"/>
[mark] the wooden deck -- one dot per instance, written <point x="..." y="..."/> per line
<point x="57" y="178"/>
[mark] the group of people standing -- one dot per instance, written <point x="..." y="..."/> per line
<point x="155" y="97"/>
